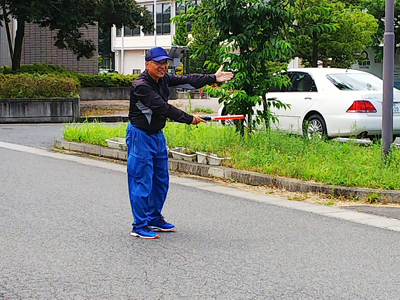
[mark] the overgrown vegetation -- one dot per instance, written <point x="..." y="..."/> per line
<point x="47" y="81"/>
<point x="271" y="152"/>
<point x="203" y="110"/>
<point x="41" y="69"/>
<point x="106" y="80"/>
<point x="37" y="86"/>
<point x="332" y="32"/>
<point x="251" y="43"/>
<point x="93" y="133"/>
<point x="377" y="9"/>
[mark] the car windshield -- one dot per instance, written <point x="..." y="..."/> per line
<point x="356" y="82"/>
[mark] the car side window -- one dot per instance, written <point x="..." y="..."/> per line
<point x="283" y="88"/>
<point x="301" y="82"/>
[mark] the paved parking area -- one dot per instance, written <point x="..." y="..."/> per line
<point x="122" y="106"/>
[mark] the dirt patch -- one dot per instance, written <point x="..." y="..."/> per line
<point x="96" y="108"/>
<point x="103" y="111"/>
<point x="104" y="108"/>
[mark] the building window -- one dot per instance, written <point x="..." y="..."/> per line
<point x="150" y="9"/>
<point x="163" y="18"/>
<point x="136" y="71"/>
<point x="129" y="32"/>
<point x="135" y="32"/>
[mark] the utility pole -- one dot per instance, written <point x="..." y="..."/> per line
<point x="388" y="78"/>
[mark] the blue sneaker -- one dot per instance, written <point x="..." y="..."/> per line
<point x="144" y="233"/>
<point x="162" y="225"/>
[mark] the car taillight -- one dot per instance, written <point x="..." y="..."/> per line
<point x="362" y="107"/>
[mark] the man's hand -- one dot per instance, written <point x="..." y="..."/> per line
<point x="197" y="119"/>
<point x="223" y="76"/>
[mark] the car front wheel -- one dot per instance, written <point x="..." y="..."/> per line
<point x="314" y="126"/>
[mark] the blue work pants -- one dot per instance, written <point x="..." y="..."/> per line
<point x="148" y="176"/>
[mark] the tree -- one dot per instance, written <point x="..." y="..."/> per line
<point x="181" y="32"/>
<point x="201" y="44"/>
<point x="181" y="39"/>
<point x="67" y="18"/>
<point x="330" y="31"/>
<point x="251" y="43"/>
<point x="377" y="9"/>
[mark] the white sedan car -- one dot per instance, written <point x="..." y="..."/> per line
<point x="333" y="103"/>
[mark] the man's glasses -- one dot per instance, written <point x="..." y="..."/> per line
<point x="161" y="63"/>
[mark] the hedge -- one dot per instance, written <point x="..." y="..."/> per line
<point x="37" y="86"/>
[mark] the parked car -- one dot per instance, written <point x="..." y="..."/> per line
<point x="333" y="103"/>
<point x="104" y="71"/>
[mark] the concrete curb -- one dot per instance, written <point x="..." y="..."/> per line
<point x="245" y="177"/>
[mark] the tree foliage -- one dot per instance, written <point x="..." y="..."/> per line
<point x="377" y="9"/>
<point x="200" y="39"/>
<point x="330" y="31"/>
<point x="67" y="18"/>
<point x="181" y="37"/>
<point x="251" y="43"/>
<point x="203" y="46"/>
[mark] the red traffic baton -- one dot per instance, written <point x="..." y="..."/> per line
<point x="223" y="118"/>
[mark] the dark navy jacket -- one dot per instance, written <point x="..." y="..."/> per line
<point x="149" y="106"/>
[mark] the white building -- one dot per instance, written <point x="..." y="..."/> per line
<point x="375" y="66"/>
<point x="130" y="45"/>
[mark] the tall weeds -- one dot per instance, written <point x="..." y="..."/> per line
<point x="271" y="152"/>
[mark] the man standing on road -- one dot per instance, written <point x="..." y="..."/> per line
<point x="148" y="176"/>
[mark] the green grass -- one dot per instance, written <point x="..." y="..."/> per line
<point x="203" y="110"/>
<point x="274" y="153"/>
<point x="93" y="133"/>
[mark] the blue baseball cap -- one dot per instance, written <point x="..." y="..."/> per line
<point x="157" y="54"/>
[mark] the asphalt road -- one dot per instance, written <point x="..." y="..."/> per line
<point x="33" y="135"/>
<point x="43" y="135"/>
<point x="65" y="225"/>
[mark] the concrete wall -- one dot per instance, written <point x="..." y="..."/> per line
<point x="123" y="93"/>
<point x="104" y="93"/>
<point x="58" y="110"/>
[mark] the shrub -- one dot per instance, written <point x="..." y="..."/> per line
<point x="82" y="79"/>
<point x="6" y="70"/>
<point x="37" y="86"/>
<point x="42" y="68"/>
<point x="106" y="80"/>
